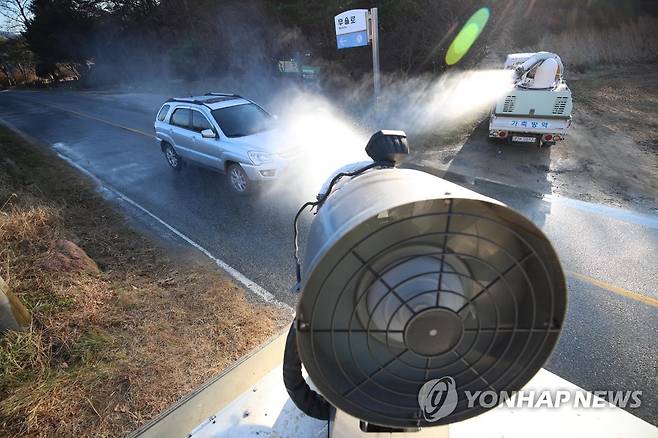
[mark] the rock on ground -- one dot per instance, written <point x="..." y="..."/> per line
<point x="69" y="257"/>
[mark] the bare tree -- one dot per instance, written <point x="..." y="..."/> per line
<point x="16" y="12"/>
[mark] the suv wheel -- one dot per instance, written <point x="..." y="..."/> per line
<point x="238" y="179"/>
<point x="174" y="160"/>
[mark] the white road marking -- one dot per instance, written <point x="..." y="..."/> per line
<point x="237" y="275"/>
<point x="620" y="214"/>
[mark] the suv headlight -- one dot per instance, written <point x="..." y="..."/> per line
<point x="259" y="158"/>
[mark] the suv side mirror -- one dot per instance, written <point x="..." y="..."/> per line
<point x="208" y="133"/>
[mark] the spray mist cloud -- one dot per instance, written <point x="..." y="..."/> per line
<point x="424" y="105"/>
<point x="324" y="137"/>
<point x="328" y="138"/>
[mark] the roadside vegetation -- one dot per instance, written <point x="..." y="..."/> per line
<point x="122" y="326"/>
<point x="167" y="43"/>
<point x="584" y="48"/>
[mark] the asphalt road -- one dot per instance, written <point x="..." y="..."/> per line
<point x="610" y="339"/>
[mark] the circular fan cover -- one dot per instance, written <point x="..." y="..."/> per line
<point x="456" y="288"/>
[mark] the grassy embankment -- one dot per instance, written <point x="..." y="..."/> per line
<point x="110" y="348"/>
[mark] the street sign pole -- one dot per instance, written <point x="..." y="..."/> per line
<point x="357" y="28"/>
<point x="374" y="35"/>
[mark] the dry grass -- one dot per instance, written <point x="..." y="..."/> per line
<point x="106" y="352"/>
<point x="587" y="47"/>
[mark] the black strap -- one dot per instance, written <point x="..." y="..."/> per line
<point x="307" y="400"/>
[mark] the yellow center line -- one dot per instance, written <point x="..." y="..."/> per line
<point x="602" y="284"/>
<point x="614" y="289"/>
<point x="107" y="122"/>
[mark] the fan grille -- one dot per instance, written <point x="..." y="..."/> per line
<point x="457" y="288"/>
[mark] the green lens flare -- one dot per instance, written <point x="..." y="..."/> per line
<point x="467" y="36"/>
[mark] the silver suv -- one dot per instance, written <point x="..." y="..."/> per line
<point x="224" y="132"/>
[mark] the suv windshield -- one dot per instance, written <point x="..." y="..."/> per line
<point x="241" y="120"/>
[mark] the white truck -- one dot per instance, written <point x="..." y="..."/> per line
<point x="537" y="109"/>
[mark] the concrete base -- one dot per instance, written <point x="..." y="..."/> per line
<point x="263" y="409"/>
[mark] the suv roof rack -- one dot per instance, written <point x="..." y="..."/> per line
<point x="224" y="95"/>
<point x="186" y="100"/>
<point x="212" y="98"/>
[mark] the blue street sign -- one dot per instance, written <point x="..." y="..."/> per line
<point x="354" y="39"/>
